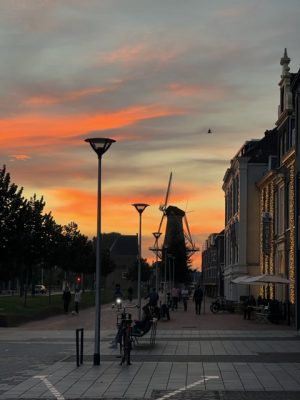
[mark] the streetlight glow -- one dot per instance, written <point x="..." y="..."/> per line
<point x="100" y="146"/>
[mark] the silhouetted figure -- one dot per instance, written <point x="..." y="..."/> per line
<point x="197" y="298"/>
<point x="130" y="294"/>
<point x="77" y="298"/>
<point x="248" y="307"/>
<point x="118" y="293"/>
<point x="153" y="298"/>
<point x="143" y="324"/>
<point x="66" y="298"/>
<point x="185" y="297"/>
<point x="175" y="298"/>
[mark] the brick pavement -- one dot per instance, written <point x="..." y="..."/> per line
<point x="205" y="357"/>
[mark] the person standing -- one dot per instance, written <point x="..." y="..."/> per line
<point x="174" y="294"/>
<point x="185" y="297"/>
<point x="153" y="298"/>
<point x="130" y="294"/>
<point x="197" y="298"/>
<point x="118" y="293"/>
<point x="77" y="298"/>
<point x="66" y="298"/>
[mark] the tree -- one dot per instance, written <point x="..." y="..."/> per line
<point x="13" y="208"/>
<point x="145" y="271"/>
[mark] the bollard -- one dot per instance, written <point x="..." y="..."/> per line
<point x="79" y="350"/>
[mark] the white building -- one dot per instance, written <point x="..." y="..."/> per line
<point x="241" y="236"/>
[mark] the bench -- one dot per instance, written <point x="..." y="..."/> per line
<point x="152" y="327"/>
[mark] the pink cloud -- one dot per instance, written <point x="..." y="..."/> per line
<point x="139" y="53"/>
<point x="46" y="100"/>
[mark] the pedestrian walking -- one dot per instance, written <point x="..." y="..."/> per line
<point x="77" y="298"/>
<point x="153" y="298"/>
<point x="118" y="293"/>
<point x="185" y="297"/>
<point x="130" y="294"/>
<point x="66" y="298"/>
<point x="197" y="298"/>
<point x="174" y="293"/>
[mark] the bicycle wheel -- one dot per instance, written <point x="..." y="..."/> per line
<point x="214" y="308"/>
<point x="126" y="345"/>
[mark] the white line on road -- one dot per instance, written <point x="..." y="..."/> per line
<point x="49" y="385"/>
<point x="205" y="378"/>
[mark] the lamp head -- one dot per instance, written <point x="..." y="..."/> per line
<point x="156" y="235"/>
<point x="140" y="207"/>
<point x="100" y="145"/>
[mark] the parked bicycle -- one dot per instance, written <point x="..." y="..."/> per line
<point x="221" y="304"/>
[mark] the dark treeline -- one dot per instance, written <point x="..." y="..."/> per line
<point x="31" y="240"/>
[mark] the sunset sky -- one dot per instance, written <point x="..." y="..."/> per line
<point x="154" y="75"/>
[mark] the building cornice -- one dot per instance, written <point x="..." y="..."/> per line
<point x="267" y="178"/>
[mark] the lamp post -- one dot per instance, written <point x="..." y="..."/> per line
<point x="140" y="207"/>
<point x="169" y="272"/>
<point x="100" y="146"/>
<point x="156" y="236"/>
<point x="173" y="259"/>
<point x="165" y="283"/>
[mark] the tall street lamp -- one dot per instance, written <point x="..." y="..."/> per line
<point x="100" y="146"/>
<point x="165" y="283"/>
<point x="140" y="207"/>
<point x="169" y="271"/>
<point x="173" y="259"/>
<point x="156" y="236"/>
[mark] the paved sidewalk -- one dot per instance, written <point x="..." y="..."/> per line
<point x="250" y="361"/>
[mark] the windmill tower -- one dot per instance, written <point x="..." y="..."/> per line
<point x="178" y="245"/>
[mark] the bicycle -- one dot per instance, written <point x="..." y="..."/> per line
<point x="124" y="334"/>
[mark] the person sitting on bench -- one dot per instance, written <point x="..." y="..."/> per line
<point x="144" y="324"/>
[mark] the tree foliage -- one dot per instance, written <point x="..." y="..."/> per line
<point x="31" y="239"/>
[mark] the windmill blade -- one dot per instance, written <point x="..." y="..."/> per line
<point x="168" y="193"/>
<point x="188" y="229"/>
<point x="161" y="221"/>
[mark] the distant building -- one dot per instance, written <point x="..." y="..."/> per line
<point x="124" y="253"/>
<point x="213" y="264"/>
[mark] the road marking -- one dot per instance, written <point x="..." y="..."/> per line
<point x="205" y="378"/>
<point x="49" y="385"/>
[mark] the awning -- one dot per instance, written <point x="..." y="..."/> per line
<point x="264" y="279"/>
<point x="240" y="278"/>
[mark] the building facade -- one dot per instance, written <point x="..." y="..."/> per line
<point x="241" y="234"/>
<point x="278" y="196"/>
<point x="213" y="264"/>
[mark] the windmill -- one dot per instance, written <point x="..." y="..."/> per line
<point x="177" y="242"/>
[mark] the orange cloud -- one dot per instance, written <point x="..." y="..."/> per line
<point x="47" y="129"/>
<point x="39" y="101"/>
<point x="22" y="157"/>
